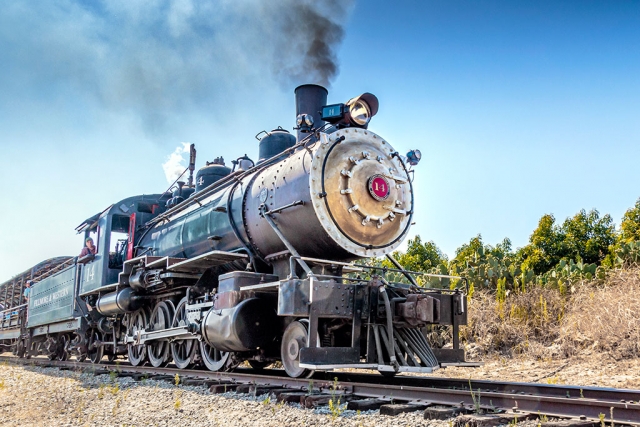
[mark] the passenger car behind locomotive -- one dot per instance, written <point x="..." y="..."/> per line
<point x="254" y="263"/>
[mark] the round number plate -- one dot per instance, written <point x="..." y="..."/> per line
<point x="379" y="187"/>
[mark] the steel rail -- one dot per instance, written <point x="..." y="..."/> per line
<point x="543" y="399"/>
<point x="539" y="389"/>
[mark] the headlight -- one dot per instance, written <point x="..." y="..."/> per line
<point x="360" y="113"/>
<point x="356" y="112"/>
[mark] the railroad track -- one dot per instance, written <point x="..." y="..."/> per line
<point x="437" y="397"/>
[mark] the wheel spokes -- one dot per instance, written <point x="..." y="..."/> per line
<point x="213" y="359"/>
<point x="183" y="351"/>
<point x="161" y="318"/>
<point x="137" y="352"/>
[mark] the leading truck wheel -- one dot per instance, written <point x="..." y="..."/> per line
<point x="294" y="338"/>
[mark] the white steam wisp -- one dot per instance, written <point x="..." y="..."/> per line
<point x="176" y="162"/>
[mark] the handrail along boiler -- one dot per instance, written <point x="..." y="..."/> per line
<point x="255" y="263"/>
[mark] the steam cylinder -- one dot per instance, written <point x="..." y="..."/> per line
<point x="119" y="302"/>
<point x="247" y="326"/>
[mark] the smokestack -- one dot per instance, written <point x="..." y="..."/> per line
<point x="309" y="100"/>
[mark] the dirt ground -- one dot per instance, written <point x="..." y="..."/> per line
<point x="586" y="369"/>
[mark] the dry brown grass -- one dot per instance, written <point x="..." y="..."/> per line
<point x="605" y="317"/>
<point x="543" y="323"/>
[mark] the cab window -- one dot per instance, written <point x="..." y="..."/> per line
<point x="118" y="240"/>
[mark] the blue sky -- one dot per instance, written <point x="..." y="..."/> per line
<point x="519" y="108"/>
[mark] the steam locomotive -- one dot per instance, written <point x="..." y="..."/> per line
<point x="253" y="263"/>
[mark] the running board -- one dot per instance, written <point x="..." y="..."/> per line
<point x="202" y="262"/>
<point x="164" y="262"/>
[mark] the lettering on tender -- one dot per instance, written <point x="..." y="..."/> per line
<point x="51" y="297"/>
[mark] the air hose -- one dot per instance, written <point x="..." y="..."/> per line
<point x="387" y="307"/>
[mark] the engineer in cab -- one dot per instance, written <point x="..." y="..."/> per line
<point x="88" y="252"/>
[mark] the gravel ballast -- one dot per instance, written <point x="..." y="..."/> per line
<point x="36" y="396"/>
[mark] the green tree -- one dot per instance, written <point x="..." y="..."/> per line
<point x="469" y="251"/>
<point x="627" y="248"/>
<point x="545" y="246"/>
<point x="630" y="226"/>
<point x="587" y="237"/>
<point x="419" y="256"/>
<point x="584" y="237"/>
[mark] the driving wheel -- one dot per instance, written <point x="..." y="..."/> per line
<point x="183" y="350"/>
<point x="158" y="350"/>
<point x="137" y="352"/>
<point x="213" y="358"/>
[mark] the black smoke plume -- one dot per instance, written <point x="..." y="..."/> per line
<point x="162" y="58"/>
<point x="313" y="38"/>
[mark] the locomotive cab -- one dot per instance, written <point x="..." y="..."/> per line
<point x="114" y="234"/>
